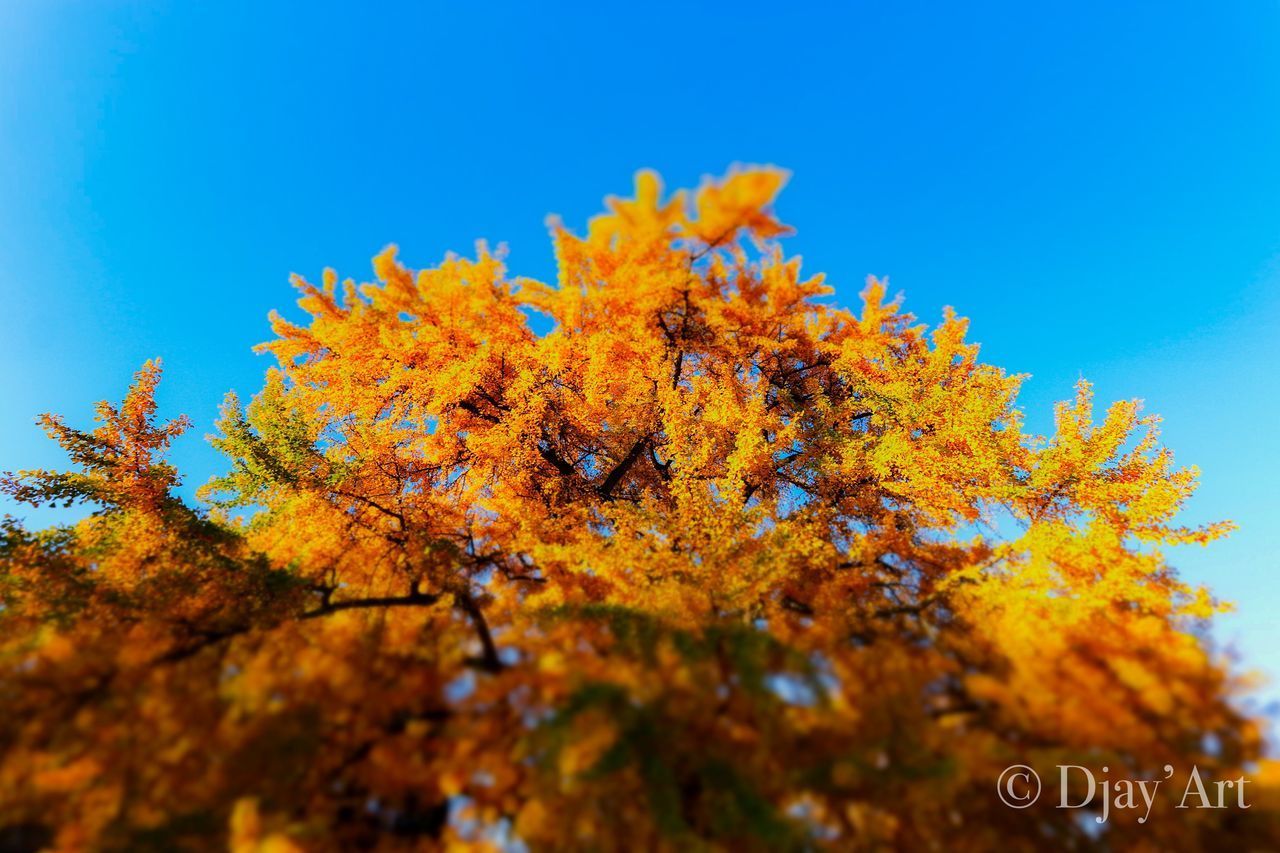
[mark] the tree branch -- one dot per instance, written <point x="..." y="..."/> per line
<point x="413" y="599"/>
<point x="489" y="660"/>
<point x="620" y="470"/>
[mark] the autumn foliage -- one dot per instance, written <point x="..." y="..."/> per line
<point x="707" y="564"/>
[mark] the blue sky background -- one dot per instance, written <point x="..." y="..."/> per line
<point x="1096" y="185"/>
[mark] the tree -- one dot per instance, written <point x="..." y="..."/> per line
<point x="709" y="563"/>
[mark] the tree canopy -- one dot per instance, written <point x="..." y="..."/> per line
<point x="671" y="553"/>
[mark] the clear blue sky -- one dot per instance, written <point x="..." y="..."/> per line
<point x="1096" y="184"/>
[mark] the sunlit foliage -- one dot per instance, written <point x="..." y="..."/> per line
<point x="667" y="554"/>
